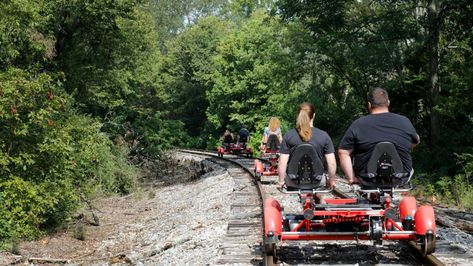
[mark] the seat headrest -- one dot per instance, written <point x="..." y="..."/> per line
<point x="305" y="169"/>
<point x="273" y="142"/>
<point x="379" y="150"/>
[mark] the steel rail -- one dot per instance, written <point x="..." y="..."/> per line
<point x="252" y="174"/>
<point x="429" y="259"/>
<point x="267" y="260"/>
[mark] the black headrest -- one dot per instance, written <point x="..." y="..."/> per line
<point x="383" y="151"/>
<point x="300" y="155"/>
<point x="273" y="142"/>
<point x="228" y="138"/>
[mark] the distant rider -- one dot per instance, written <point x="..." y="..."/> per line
<point x="273" y="128"/>
<point x="243" y="134"/>
<point x="227" y="137"/>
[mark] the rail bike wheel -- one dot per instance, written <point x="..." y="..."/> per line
<point x="270" y="258"/>
<point x="427" y="243"/>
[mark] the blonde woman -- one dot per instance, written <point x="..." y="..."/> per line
<point x="273" y="128"/>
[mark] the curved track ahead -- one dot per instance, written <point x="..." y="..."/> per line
<point x="243" y="240"/>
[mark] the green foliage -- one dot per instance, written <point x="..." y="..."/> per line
<point x="85" y="84"/>
<point x="449" y="190"/>
<point x="250" y="71"/>
<point x="20" y="41"/>
<point x="29" y="107"/>
<point x="187" y="73"/>
<point x="160" y="134"/>
<point x="79" y="231"/>
<point x="49" y="152"/>
<point x="49" y="155"/>
<point x="25" y="205"/>
<point x="457" y="190"/>
<point x="87" y="157"/>
<point x="102" y="47"/>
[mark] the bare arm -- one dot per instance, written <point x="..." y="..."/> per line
<point x="264" y="139"/>
<point x="331" y="168"/>
<point x="282" y="166"/>
<point x="415" y="144"/>
<point x="346" y="164"/>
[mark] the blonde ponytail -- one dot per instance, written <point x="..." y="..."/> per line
<point x="303" y="125"/>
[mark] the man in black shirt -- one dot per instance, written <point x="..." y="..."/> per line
<point x="243" y="134"/>
<point x="380" y="125"/>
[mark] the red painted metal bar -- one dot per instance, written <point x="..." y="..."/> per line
<point x="323" y="237"/>
<point x="350" y="213"/>
<point x="395" y="224"/>
<point x="407" y="235"/>
<point x="302" y="223"/>
<point x="341" y="201"/>
<point x="389" y="236"/>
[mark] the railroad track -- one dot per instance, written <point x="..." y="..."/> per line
<point x="243" y="240"/>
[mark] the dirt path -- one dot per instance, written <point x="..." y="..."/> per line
<point x="178" y="224"/>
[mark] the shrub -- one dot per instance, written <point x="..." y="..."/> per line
<point x="49" y="155"/>
<point x="456" y="190"/>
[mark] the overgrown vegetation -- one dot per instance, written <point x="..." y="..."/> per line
<point x="88" y="86"/>
<point x="268" y="56"/>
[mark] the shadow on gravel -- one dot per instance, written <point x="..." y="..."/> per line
<point x="175" y="169"/>
<point x="332" y="254"/>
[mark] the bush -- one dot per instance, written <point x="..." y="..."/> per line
<point x="49" y="156"/>
<point x="86" y="156"/>
<point x="23" y="208"/>
<point x="456" y="190"/>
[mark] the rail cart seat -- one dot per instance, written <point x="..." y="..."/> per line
<point x="304" y="170"/>
<point x="228" y="139"/>
<point x="384" y="169"/>
<point x="272" y="143"/>
<point x="243" y="139"/>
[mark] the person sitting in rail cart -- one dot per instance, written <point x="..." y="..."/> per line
<point x="305" y="133"/>
<point x="369" y="214"/>
<point x="243" y="136"/>
<point x="362" y="141"/>
<point x="227" y="138"/>
<point x="274" y="128"/>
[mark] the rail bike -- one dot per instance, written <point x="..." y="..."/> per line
<point x="239" y="148"/>
<point x="370" y="215"/>
<point x="271" y="153"/>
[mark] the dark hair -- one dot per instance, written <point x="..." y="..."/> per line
<point x="378" y="97"/>
<point x="305" y="114"/>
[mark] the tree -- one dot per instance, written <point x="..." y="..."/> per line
<point x="185" y="73"/>
<point x="250" y="71"/>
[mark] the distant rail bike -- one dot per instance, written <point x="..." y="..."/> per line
<point x="271" y="153"/>
<point x="239" y="148"/>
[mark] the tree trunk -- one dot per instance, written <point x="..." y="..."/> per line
<point x="434" y="20"/>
